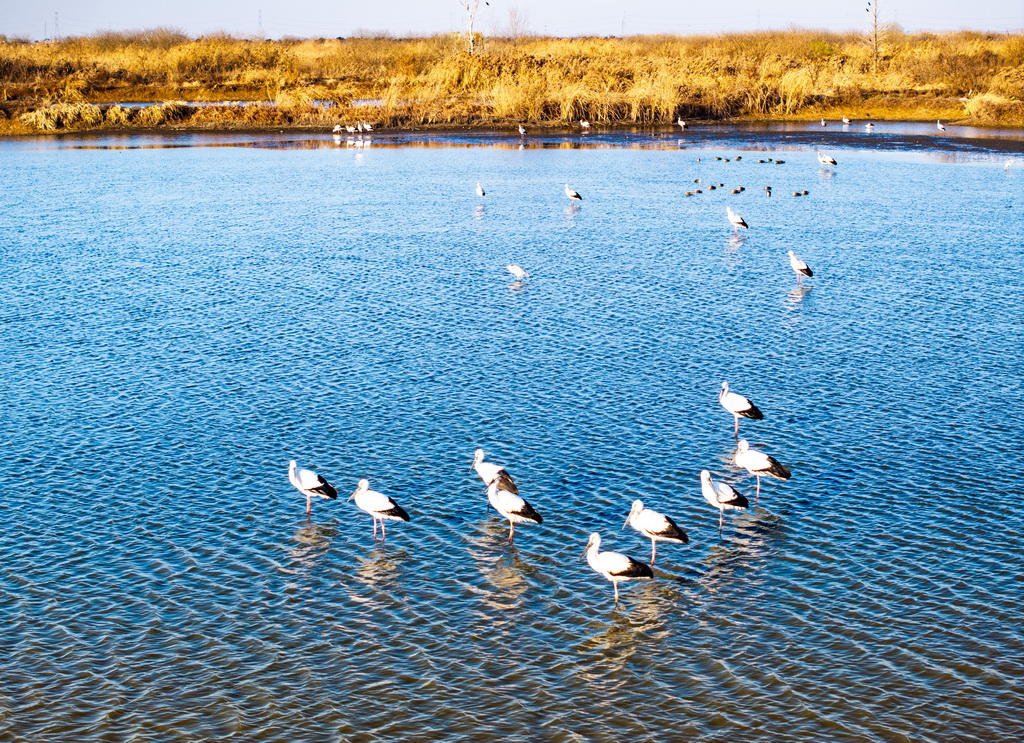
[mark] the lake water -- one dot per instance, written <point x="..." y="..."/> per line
<point x="177" y="321"/>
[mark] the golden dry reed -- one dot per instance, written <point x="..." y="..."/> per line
<point x="963" y="76"/>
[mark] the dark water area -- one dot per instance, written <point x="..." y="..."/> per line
<point x="181" y="315"/>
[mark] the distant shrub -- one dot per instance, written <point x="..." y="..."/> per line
<point x="164" y="113"/>
<point x="119" y="115"/>
<point x="64" y="116"/>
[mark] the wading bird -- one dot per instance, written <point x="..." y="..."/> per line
<point x="682" y="124"/>
<point x="846" y="119"/>
<point x="736" y="220"/>
<point x="826" y="159"/>
<point x="614" y="566"/>
<point x="584" y="124"/>
<point x="574" y="195"/>
<point x="939" y="126"/>
<point x="654" y="526"/>
<point x="801" y="268"/>
<point x="309" y="484"/>
<point x="758" y="463"/>
<point x="517" y="271"/>
<point x="738" y="405"/>
<point x="379" y="506"/>
<point x="480" y="190"/>
<point x="512" y="507"/>
<point x="721" y="495"/>
<point x="490" y="472"/>
<point x="522" y="130"/>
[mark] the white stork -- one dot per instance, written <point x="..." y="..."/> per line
<point x="614" y="566"/>
<point x="379" y="506"/>
<point x="801" y="268"/>
<point x="512" y="507"/>
<point x="654" y="526"/>
<point x="738" y="405"/>
<point x="826" y="159"/>
<point x="517" y="271"/>
<point x="490" y="472"/>
<point x="736" y="220"/>
<point x="721" y="495"/>
<point x="939" y="125"/>
<point x="309" y="484"/>
<point x="480" y="190"/>
<point x="758" y="463"/>
<point x="573" y="195"/>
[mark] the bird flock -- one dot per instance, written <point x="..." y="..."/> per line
<point x="504" y="497"/>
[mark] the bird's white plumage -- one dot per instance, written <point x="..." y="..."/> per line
<point x="517" y="271"/>
<point x="522" y="130"/>
<point x="734" y="402"/>
<point x="846" y="119"/>
<point x="309" y="484"/>
<point x="378" y="505"/>
<point x="759" y="464"/>
<point x="799" y="267"/>
<point x="720" y="495"/>
<point x="826" y="159"/>
<point x="735" y="219"/>
<point x="584" y="123"/>
<point x="480" y="190"/>
<point x="490" y="472"/>
<point x="512" y="507"/>
<point x="572" y="194"/>
<point x="614" y="566"/>
<point x="939" y="126"/>
<point x="655" y="526"/>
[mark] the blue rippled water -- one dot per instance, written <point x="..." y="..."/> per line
<point x="176" y="323"/>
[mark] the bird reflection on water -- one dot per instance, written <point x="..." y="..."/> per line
<point x="313" y="543"/>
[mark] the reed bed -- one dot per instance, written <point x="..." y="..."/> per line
<point x="963" y="76"/>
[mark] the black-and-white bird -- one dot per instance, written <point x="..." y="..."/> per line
<point x="584" y="124"/>
<point x="512" y="507"/>
<point x="522" y="130"/>
<point x="846" y="119"/>
<point x="801" y="268"/>
<point x="309" y="484"/>
<point x="823" y="123"/>
<point x="517" y="271"/>
<point x="574" y="195"/>
<point x="614" y="566"/>
<point x="480" y="190"/>
<point x="738" y="405"/>
<point x="655" y="526"/>
<point x="759" y="464"/>
<point x="826" y="159"/>
<point x="736" y="220"/>
<point x="681" y="122"/>
<point x="490" y="472"/>
<point x="378" y="505"/>
<point x="721" y="495"/>
<point x="940" y="126"/>
<point x="870" y="126"/>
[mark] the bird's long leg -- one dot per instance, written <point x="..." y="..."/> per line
<point x="758" y="498"/>
<point x="736" y="428"/>
<point x="616" y="587"/>
<point x="309" y="507"/>
<point x="654" y="550"/>
<point x="720" y="512"/>
<point x="383" y="534"/>
<point x="799" y="280"/>
<point x="375" y="529"/>
<point x="511" y="530"/>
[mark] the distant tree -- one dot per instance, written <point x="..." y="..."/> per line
<point x="471" y="7"/>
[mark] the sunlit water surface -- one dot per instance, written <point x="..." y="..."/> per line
<point x="179" y="322"/>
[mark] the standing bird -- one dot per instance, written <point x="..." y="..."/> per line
<point x="736" y="220"/>
<point x="522" y="130"/>
<point x="940" y="126"/>
<point x="846" y="119"/>
<point x="826" y="159"/>
<point x="512" y="507"/>
<point x="823" y="123"/>
<point x="480" y="190"/>
<point x="584" y="124"/>
<point x="574" y="195"/>
<point x="518" y="271"/>
<point x="654" y="526"/>
<point x="379" y="506"/>
<point x="614" y="566"/>
<point x="682" y="124"/>
<point x="490" y="472"/>
<point x="758" y="463"/>
<point x="309" y="484"/>
<point x="870" y="126"/>
<point x="801" y="268"/>
<point x="738" y="405"/>
<point x="721" y="495"/>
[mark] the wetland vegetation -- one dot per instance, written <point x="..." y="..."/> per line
<point x="222" y="82"/>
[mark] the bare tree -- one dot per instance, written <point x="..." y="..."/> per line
<point x="872" y="10"/>
<point x="518" y="23"/>
<point x="471" y="7"/>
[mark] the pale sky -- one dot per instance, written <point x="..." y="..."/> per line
<point x="328" y="18"/>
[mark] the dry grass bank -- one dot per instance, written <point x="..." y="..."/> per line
<point x="639" y="80"/>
